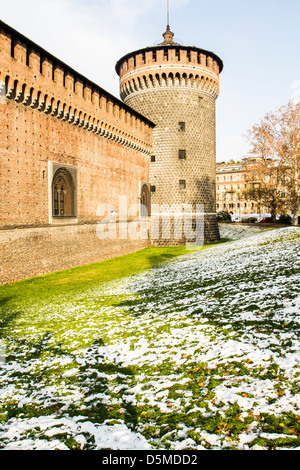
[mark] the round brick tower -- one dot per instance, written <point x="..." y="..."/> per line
<point x="176" y="87"/>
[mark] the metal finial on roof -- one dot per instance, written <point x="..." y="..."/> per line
<point x="168" y="35"/>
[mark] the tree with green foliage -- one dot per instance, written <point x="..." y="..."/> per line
<point x="224" y="216"/>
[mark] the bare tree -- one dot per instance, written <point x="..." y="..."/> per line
<point x="273" y="171"/>
<point x="263" y="179"/>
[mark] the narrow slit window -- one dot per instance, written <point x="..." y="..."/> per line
<point x="27" y="55"/>
<point x="182" y="184"/>
<point x="153" y="159"/>
<point x="181" y="126"/>
<point x="182" y="154"/>
<point x="12" y="47"/>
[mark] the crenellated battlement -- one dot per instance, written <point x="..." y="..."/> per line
<point x="31" y="76"/>
<point x="169" y="66"/>
<point x="69" y="152"/>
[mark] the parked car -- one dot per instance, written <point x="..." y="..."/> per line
<point x="266" y="220"/>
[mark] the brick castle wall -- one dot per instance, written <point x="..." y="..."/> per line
<point x="51" y="115"/>
<point x="30" y="252"/>
<point x="29" y="140"/>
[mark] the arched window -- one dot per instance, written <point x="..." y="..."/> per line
<point x="63" y="194"/>
<point x="145" y="201"/>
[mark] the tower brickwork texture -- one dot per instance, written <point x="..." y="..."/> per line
<point x="176" y="87"/>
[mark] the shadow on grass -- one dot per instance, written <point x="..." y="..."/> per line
<point x="158" y="260"/>
<point x="96" y="380"/>
<point x="7" y="321"/>
<point x="4" y="301"/>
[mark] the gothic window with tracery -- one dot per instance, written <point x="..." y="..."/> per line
<point x="145" y="201"/>
<point x="63" y="194"/>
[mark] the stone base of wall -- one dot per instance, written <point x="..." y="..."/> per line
<point x="31" y="252"/>
<point x="201" y="231"/>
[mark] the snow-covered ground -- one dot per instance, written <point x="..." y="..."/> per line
<point x="238" y="231"/>
<point x="201" y="353"/>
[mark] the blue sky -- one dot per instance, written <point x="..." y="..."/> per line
<point x="258" y="41"/>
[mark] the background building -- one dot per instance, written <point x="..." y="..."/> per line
<point x="230" y="185"/>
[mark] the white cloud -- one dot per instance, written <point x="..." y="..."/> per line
<point x="90" y="35"/>
<point x="69" y="31"/>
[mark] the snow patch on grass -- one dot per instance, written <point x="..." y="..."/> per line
<point x="200" y="353"/>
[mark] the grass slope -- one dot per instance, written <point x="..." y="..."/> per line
<point x="199" y="352"/>
<point x="64" y="282"/>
